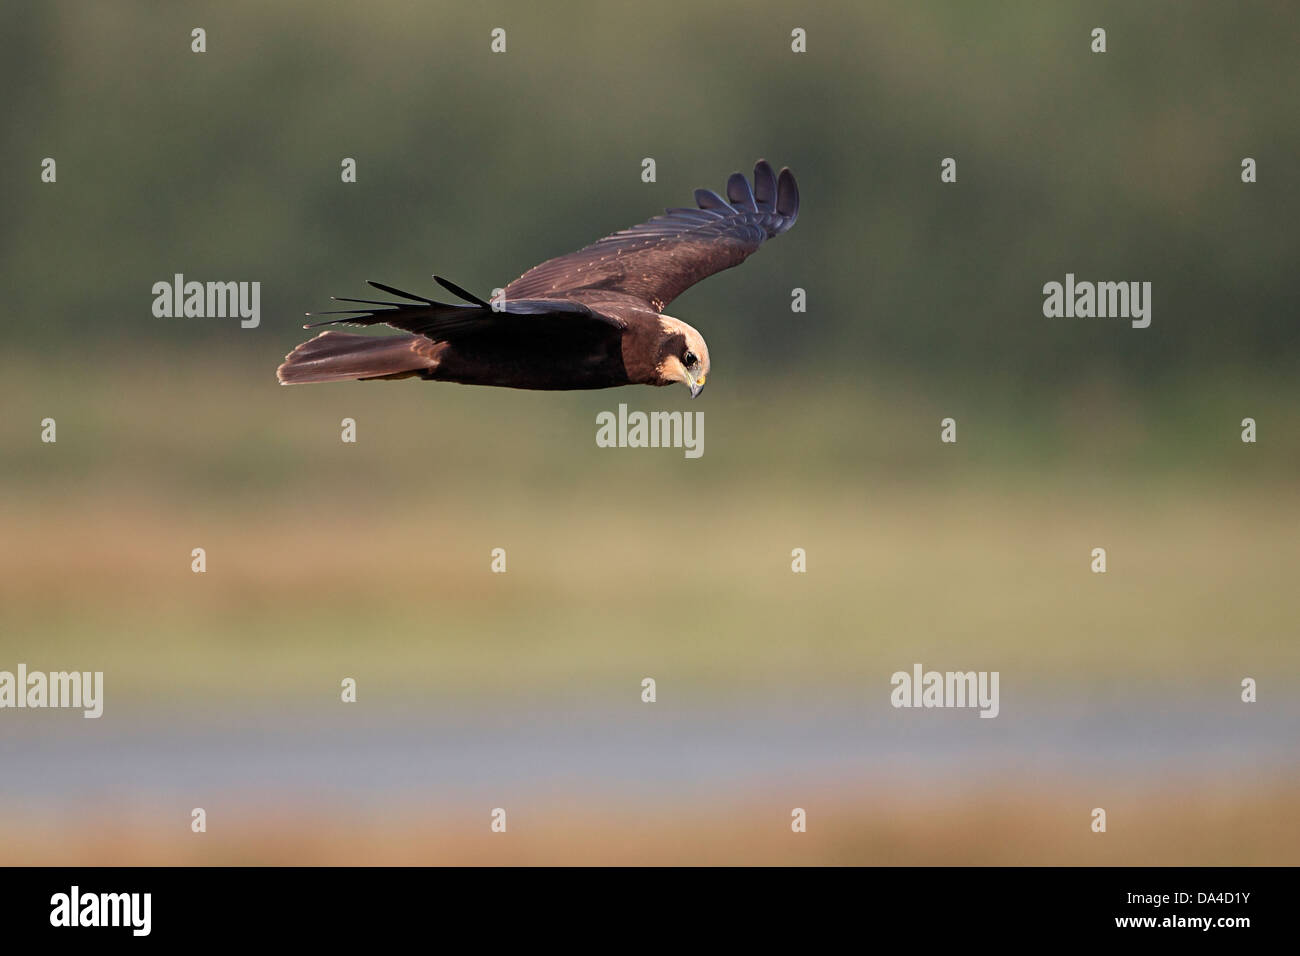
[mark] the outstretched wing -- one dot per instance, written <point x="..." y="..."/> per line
<point x="444" y="321"/>
<point x="663" y="257"/>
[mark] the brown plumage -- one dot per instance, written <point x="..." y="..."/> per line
<point x="590" y="319"/>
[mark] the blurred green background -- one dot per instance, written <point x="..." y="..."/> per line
<point x="822" y="430"/>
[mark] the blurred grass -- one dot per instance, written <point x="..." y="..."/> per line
<point x="372" y="560"/>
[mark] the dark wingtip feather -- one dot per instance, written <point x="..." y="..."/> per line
<point x="341" y="298"/>
<point x="739" y="193"/>
<point x="787" y="195"/>
<point x="458" y="291"/>
<point x="398" y="292"/>
<point x="708" y="199"/>
<point x="765" y="185"/>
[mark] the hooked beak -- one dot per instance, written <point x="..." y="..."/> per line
<point x="697" y="386"/>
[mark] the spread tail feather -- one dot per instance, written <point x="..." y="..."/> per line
<point x="342" y="356"/>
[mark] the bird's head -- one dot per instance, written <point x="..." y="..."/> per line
<point x="682" y="355"/>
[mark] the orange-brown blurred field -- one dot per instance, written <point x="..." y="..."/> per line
<point x="1042" y="825"/>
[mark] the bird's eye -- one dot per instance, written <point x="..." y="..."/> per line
<point x="689" y="358"/>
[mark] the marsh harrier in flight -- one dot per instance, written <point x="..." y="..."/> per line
<point x="591" y="319"/>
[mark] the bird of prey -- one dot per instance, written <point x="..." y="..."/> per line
<point x="590" y="319"/>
